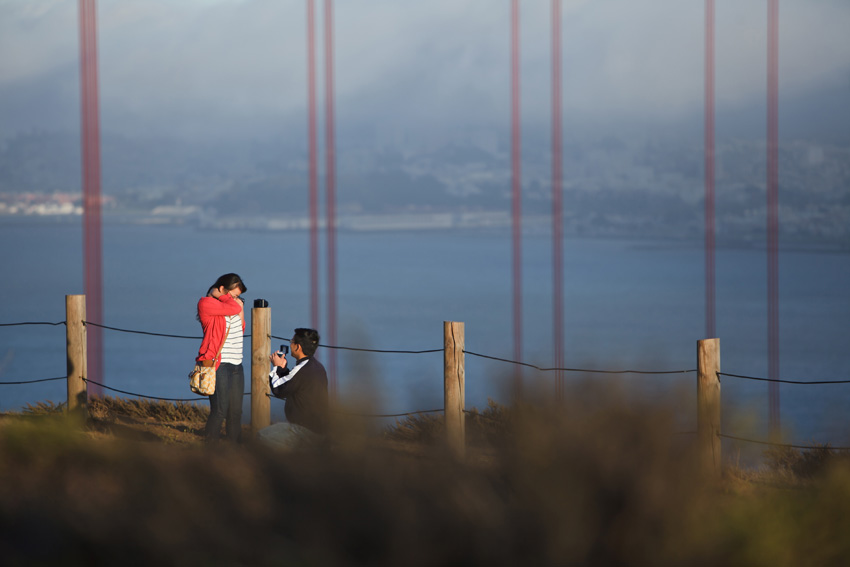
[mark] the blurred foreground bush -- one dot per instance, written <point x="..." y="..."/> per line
<point x="594" y="482"/>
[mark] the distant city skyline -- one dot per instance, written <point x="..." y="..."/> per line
<point x="611" y="187"/>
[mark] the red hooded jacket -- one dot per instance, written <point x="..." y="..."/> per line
<point x="212" y="312"/>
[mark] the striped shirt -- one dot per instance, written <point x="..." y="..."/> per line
<point x="231" y="352"/>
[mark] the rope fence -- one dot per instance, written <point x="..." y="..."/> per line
<point x="31" y="323"/>
<point x="787" y="445"/>
<point x="474" y="413"/>
<point x="33" y="381"/>
<point x="144" y="332"/>
<point x="407" y="414"/>
<point x="589" y="371"/>
<point x="776" y="380"/>
<point x="435" y="350"/>
<point x="89" y="381"/>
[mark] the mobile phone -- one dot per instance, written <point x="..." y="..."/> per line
<point x="284" y="350"/>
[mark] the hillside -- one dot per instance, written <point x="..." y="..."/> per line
<point x="598" y="484"/>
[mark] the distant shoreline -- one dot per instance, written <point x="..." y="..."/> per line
<point x="426" y="223"/>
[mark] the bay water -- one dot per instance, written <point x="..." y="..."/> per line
<point x="628" y="304"/>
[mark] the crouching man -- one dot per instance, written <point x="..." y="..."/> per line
<point x="305" y="389"/>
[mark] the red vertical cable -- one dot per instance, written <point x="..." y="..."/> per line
<point x="313" y="173"/>
<point x="92" y="239"/>
<point x="330" y="165"/>
<point x="773" y="212"/>
<point x="515" y="192"/>
<point x="557" y="200"/>
<point x="710" y="308"/>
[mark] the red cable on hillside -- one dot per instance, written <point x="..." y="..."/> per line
<point x="710" y="307"/>
<point x="773" y="212"/>
<point x="330" y="164"/>
<point x="516" y="195"/>
<point x="557" y="201"/>
<point x="92" y="225"/>
<point x="313" y="167"/>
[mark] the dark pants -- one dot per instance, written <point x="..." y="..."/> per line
<point x="226" y="403"/>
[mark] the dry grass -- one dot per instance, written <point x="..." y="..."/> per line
<point x="601" y="483"/>
<point x="177" y="423"/>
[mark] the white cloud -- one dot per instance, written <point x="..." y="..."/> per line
<point x="209" y="64"/>
<point x="36" y="38"/>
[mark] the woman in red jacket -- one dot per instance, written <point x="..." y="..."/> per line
<point x="222" y="316"/>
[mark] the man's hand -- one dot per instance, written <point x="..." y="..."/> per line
<point x="278" y="360"/>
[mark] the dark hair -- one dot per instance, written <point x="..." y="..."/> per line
<point x="229" y="281"/>
<point x="307" y="339"/>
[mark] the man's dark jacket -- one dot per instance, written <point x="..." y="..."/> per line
<point x="306" y="395"/>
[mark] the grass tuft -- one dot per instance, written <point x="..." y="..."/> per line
<point x="167" y="412"/>
<point x="805" y="464"/>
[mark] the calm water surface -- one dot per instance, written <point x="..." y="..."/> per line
<point x="628" y="304"/>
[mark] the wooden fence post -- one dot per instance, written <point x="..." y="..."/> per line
<point x="75" y="348"/>
<point x="261" y="325"/>
<point x="708" y="405"/>
<point x="453" y="383"/>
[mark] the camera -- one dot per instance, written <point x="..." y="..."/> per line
<point x="284" y="350"/>
<point x="261" y="303"/>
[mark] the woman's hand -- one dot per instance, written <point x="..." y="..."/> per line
<point x="241" y="303"/>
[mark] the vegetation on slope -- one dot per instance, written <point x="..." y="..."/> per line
<point x="596" y="482"/>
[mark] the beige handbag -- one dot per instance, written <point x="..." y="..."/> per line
<point x="202" y="377"/>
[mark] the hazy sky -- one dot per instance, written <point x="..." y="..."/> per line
<point x="213" y="67"/>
